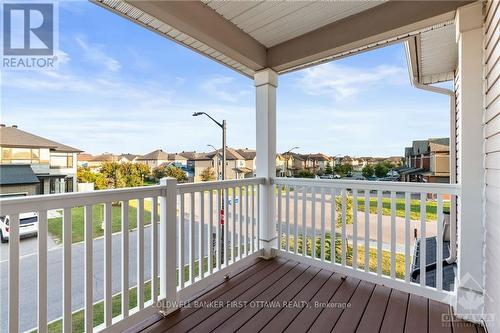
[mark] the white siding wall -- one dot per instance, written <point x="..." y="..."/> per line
<point x="492" y="161"/>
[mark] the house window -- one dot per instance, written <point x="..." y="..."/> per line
<point x="69" y="184"/>
<point x="52" y="185"/>
<point x="61" y="160"/>
<point x="20" y="156"/>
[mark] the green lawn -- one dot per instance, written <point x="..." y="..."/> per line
<point x="78" y="317"/>
<point x="431" y="208"/>
<point x="55" y="224"/>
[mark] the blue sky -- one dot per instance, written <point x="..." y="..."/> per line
<point x="121" y="88"/>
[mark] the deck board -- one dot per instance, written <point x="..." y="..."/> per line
<point x="292" y="292"/>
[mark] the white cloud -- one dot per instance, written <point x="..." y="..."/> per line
<point x="221" y="88"/>
<point x="95" y="54"/>
<point x="341" y="81"/>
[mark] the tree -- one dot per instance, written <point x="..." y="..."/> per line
<point x="113" y="174"/>
<point x="143" y="170"/>
<point x="367" y="171"/>
<point x="381" y="170"/>
<point x="169" y="171"/>
<point x="328" y="168"/>
<point x="343" y="169"/>
<point x="207" y="174"/>
<point x="85" y="175"/>
<point x="304" y="173"/>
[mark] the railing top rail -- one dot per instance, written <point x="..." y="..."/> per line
<point x="220" y="184"/>
<point x="75" y="199"/>
<point x="372" y="185"/>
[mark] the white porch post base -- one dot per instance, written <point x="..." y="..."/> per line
<point x="266" y="82"/>
<point x="470" y="278"/>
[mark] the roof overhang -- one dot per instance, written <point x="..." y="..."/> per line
<point x="248" y="36"/>
<point x="432" y="56"/>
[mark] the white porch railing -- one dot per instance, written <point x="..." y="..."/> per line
<point x="186" y="256"/>
<point x="198" y="249"/>
<point x="314" y="217"/>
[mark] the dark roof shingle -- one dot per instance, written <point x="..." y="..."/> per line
<point x="14" y="174"/>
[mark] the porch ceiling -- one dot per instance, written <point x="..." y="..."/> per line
<point x="283" y="35"/>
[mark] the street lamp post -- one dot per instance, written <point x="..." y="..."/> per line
<point x="287" y="154"/>
<point x="223" y="126"/>
<point x="223" y="209"/>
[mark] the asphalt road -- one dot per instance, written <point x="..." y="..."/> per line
<point x="29" y="283"/>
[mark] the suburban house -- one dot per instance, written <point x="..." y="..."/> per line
<point x="97" y="161"/>
<point x="235" y="163"/>
<point x="285" y="165"/>
<point x="381" y="280"/>
<point x="249" y="156"/>
<point x="154" y="159"/>
<point x="196" y="163"/>
<point x="317" y="162"/>
<point x="52" y="163"/>
<point x="427" y="161"/>
<point x="83" y="159"/>
<point x="127" y="158"/>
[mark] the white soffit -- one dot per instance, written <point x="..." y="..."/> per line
<point x="274" y="22"/>
<point x="437" y="55"/>
<point x="138" y="16"/>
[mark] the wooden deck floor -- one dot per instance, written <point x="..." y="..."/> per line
<point x="287" y="296"/>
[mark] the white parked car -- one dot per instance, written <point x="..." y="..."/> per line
<point x="28" y="226"/>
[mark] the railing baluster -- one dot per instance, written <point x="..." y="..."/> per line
<point x="125" y="261"/>
<point x="367" y="230"/>
<point x="344" y="222"/>
<point x="355" y="229"/>
<point x="333" y="227"/>
<point x="423" y="239"/>
<point x="201" y="255"/>
<point x="407" y="236"/>
<point x="379" y="232"/>
<point x="258" y="218"/>
<point x="225" y="230"/>
<point x="439" y="239"/>
<point x="13" y="290"/>
<point x="323" y="224"/>
<point x="246" y="221"/>
<point x="253" y="219"/>
<point x="191" y="237"/>
<point x="42" y="271"/>
<point x="304" y="221"/>
<point x="140" y="253"/>
<point x="182" y="242"/>
<point x="393" y="235"/>
<point x="108" y="254"/>
<point x="313" y="222"/>
<point x="287" y="218"/>
<point x="210" y="233"/>
<point x="233" y="226"/>
<point x="67" y="320"/>
<point x="89" y="269"/>
<point x="240" y="238"/>
<point x="295" y="220"/>
<point x="218" y="226"/>
<point x="154" y="249"/>
<point x="280" y="225"/>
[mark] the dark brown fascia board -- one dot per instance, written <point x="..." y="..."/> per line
<point x="389" y="20"/>
<point x="205" y="25"/>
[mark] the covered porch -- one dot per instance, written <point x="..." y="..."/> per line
<point x="285" y="240"/>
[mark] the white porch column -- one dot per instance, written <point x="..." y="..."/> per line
<point x="266" y="82"/>
<point x="469" y="22"/>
